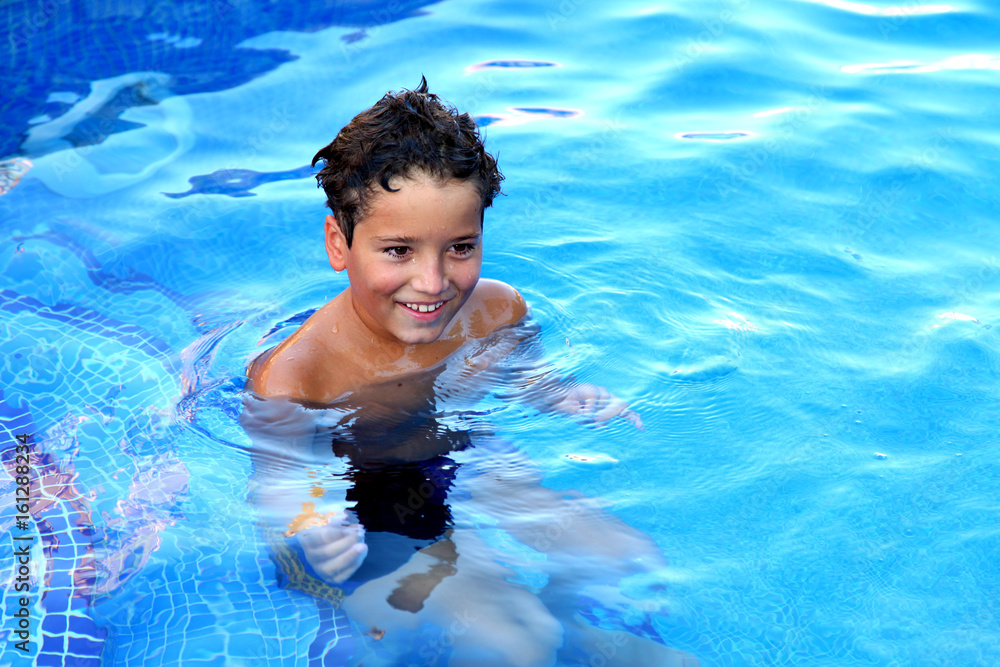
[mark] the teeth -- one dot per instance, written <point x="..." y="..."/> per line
<point x="423" y="308"/>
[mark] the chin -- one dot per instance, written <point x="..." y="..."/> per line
<point x="419" y="337"/>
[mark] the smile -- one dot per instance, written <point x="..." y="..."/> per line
<point x="424" y="307"/>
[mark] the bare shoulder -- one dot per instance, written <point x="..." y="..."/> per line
<point x="298" y="368"/>
<point x="494" y="304"/>
<point x="280" y="373"/>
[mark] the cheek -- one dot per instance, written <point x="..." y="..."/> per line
<point x="380" y="280"/>
<point x="466" y="275"/>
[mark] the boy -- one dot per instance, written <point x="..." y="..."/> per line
<point x="407" y="183"/>
<point x="418" y="176"/>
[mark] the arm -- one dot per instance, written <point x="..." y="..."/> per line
<point x="594" y="403"/>
<point x="331" y="543"/>
<point x="516" y="348"/>
<point x="540" y="385"/>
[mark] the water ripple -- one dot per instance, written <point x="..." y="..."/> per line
<point x="510" y="64"/>
<point x="728" y="135"/>
<point x="972" y="61"/>
<point x="913" y="9"/>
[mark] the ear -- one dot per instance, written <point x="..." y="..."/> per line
<point x="336" y="244"/>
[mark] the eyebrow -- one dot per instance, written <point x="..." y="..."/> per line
<point x="402" y="240"/>
<point x="409" y="240"/>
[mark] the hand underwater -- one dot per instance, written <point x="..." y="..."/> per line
<point x="335" y="550"/>
<point x="597" y="404"/>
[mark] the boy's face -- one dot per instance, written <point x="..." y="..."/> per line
<point x="415" y="258"/>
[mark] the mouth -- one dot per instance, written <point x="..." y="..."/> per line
<point x="423" y="311"/>
<point x="424" y="307"/>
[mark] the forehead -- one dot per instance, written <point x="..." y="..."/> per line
<point x="423" y="202"/>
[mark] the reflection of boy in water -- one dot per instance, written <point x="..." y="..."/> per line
<point x="407" y="183"/>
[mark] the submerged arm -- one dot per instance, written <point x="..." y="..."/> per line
<point x="525" y="375"/>
<point x="283" y="433"/>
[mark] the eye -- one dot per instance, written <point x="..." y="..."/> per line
<point x="464" y="248"/>
<point x="397" y="251"/>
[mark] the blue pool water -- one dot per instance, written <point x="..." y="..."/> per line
<point x="769" y="224"/>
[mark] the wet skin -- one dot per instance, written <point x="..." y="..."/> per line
<point x="418" y="247"/>
<point x="372" y="353"/>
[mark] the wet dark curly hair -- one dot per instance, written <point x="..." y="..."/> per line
<point x="404" y="132"/>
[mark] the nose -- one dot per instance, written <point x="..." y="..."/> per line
<point x="430" y="276"/>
